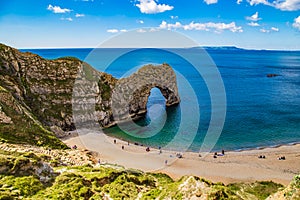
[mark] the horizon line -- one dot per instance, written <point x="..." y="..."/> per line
<point x="204" y="46"/>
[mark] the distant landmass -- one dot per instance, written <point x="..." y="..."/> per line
<point x="234" y="48"/>
<point x="229" y="48"/>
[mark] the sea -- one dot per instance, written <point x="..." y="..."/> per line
<point x="260" y="111"/>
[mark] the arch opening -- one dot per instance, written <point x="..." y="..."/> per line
<point x="156" y="97"/>
<point x="130" y="95"/>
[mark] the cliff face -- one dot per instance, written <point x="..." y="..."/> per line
<point x="48" y="89"/>
<point x="44" y="86"/>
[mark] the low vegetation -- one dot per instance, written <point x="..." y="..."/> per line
<point x="24" y="128"/>
<point x="20" y="179"/>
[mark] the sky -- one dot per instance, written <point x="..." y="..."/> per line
<point x="251" y="24"/>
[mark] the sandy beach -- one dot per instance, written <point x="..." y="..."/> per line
<point x="232" y="167"/>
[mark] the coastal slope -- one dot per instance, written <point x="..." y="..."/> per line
<point x="40" y="174"/>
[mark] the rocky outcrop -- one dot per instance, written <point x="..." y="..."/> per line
<point x="54" y="90"/>
<point x="272" y="75"/>
<point x="130" y="95"/>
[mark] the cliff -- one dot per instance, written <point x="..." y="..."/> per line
<point x="51" y="92"/>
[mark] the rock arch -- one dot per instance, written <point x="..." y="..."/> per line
<point x="130" y="95"/>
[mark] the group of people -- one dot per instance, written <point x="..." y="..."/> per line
<point x="264" y="157"/>
<point x="216" y="154"/>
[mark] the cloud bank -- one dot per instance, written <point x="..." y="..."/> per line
<point x="209" y="26"/>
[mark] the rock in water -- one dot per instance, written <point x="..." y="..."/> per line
<point x="272" y="75"/>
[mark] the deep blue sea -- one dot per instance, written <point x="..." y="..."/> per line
<point x="261" y="111"/>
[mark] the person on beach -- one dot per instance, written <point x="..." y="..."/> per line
<point x="281" y="158"/>
<point x="223" y="152"/>
<point x="115" y="141"/>
<point x="122" y="147"/>
<point x="215" y="154"/>
<point x="160" y="151"/>
<point x="166" y="162"/>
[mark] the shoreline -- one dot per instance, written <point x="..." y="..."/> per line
<point x="267" y="147"/>
<point x="234" y="166"/>
<point x="230" y="150"/>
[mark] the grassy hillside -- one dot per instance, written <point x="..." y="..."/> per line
<point x="32" y="176"/>
<point x="18" y="125"/>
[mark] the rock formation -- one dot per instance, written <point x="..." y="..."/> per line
<point x="130" y="95"/>
<point x="48" y="89"/>
<point x="272" y="75"/>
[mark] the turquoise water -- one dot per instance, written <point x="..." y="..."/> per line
<point x="261" y="111"/>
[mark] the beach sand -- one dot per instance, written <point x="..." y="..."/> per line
<point x="243" y="166"/>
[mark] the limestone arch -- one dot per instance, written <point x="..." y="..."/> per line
<point x="130" y="95"/>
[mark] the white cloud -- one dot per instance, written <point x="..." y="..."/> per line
<point x="285" y="5"/>
<point x="141" y="31"/>
<point x="256" y="2"/>
<point x="264" y="30"/>
<point x="239" y="1"/>
<point x="253" y="24"/>
<point x="208" y="2"/>
<point x="196" y="26"/>
<point x="173" y="17"/>
<point x="79" y="15"/>
<point x="112" y="30"/>
<point x="209" y="26"/>
<point x="57" y="9"/>
<point x="151" y="7"/>
<point x="272" y="29"/>
<point x="296" y="23"/>
<point x="116" y="30"/>
<point x="254" y="17"/>
<point x="289" y="5"/>
<point x="140" y="21"/>
<point x="67" y="19"/>
<point x="165" y="25"/>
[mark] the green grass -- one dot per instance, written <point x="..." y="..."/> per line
<point x="70" y="58"/>
<point x="261" y="190"/>
<point x="12" y="187"/>
<point x="24" y="130"/>
<point x="90" y="73"/>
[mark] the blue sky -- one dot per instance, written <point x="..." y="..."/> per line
<point x="254" y="24"/>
